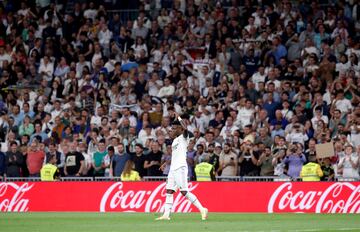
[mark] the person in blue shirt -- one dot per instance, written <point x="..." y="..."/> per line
<point x="278" y="50"/>
<point x="38" y="133"/>
<point x="27" y="111"/>
<point x="17" y="115"/>
<point x="270" y="106"/>
<point x="279" y="118"/>
<point x="119" y="160"/>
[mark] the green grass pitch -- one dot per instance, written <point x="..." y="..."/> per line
<point x="219" y="222"/>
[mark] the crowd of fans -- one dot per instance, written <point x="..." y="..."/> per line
<point x="258" y="84"/>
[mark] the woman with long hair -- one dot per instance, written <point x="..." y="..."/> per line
<point x="138" y="46"/>
<point x="129" y="174"/>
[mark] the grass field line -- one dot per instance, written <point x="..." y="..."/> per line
<point x="303" y="230"/>
<point x="314" y="230"/>
<point x="145" y="222"/>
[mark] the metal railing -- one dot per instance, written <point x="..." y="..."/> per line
<point x="154" y="178"/>
<point x="346" y="179"/>
<point x="228" y="178"/>
<point x="259" y="178"/>
<point x="100" y="178"/>
<point x="76" y="179"/>
<point x="27" y="179"/>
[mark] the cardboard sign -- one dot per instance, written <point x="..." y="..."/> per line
<point x="324" y="150"/>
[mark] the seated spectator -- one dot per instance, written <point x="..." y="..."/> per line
<point x="297" y="135"/>
<point x="26" y="128"/>
<point x="279" y="119"/>
<point x="38" y="133"/>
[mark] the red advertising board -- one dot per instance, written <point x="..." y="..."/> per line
<point x="271" y="197"/>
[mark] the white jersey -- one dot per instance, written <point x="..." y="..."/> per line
<point x="178" y="155"/>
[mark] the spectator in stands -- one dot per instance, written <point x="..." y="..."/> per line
<point x="129" y="174"/>
<point x="35" y="159"/>
<point x="190" y="157"/>
<point x="60" y="158"/>
<point x="153" y="160"/>
<point x="349" y="164"/>
<point x="107" y="161"/>
<point x="310" y="153"/>
<point x="327" y="170"/>
<point x="74" y="161"/>
<point x="26" y="126"/>
<point x="14" y="161"/>
<point x="38" y="133"/>
<point x="228" y="162"/>
<point x="166" y="160"/>
<point x="248" y="160"/>
<point x="98" y="159"/>
<point x="264" y="137"/>
<point x="265" y="163"/>
<point x="138" y="158"/>
<point x="297" y="135"/>
<point x="200" y="155"/>
<point x="213" y="156"/>
<point x="88" y="169"/>
<point x="119" y="160"/>
<point x="294" y="159"/>
<point x="2" y="164"/>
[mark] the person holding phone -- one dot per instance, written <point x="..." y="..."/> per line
<point x="228" y="162"/>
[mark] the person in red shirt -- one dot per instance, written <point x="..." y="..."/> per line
<point x="35" y="159"/>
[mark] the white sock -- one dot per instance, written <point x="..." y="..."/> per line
<point x="168" y="204"/>
<point x="193" y="199"/>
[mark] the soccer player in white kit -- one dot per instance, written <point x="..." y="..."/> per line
<point x="177" y="177"/>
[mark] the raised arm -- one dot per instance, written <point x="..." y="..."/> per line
<point x="182" y="123"/>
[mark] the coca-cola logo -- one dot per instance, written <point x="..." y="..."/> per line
<point x="336" y="198"/>
<point x="117" y="199"/>
<point x="15" y="203"/>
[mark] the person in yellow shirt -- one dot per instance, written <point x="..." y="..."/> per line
<point x="311" y="172"/>
<point x="50" y="172"/>
<point x="129" y="174"/>
<point x="204" y="172"/>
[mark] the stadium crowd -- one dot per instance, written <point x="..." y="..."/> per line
<point x="259" y="84"/>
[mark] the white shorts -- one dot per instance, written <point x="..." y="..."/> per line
<point x="178" y="179"/>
